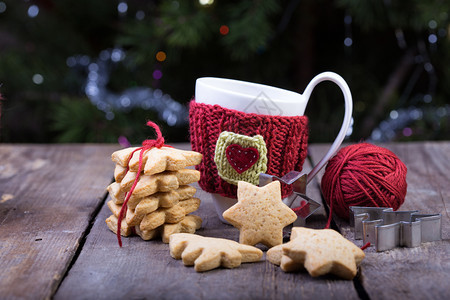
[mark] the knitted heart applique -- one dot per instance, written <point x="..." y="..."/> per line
<point x="241" y="159"/>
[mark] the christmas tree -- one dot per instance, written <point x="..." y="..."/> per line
<point x="94" y="71"/>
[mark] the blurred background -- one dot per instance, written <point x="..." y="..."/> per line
<point x="95" y="70"/>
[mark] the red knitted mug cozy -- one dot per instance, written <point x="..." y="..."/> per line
<point x="284" y="140"/>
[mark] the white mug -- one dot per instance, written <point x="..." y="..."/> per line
<point x="262" y="99"/>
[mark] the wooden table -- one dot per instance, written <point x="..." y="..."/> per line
<point x="54" y="242"/>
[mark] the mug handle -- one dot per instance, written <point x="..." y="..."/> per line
<point x="330" y="76"/>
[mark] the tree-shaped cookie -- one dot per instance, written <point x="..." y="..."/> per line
<point x="207" y="253"/>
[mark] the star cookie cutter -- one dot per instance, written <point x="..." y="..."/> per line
<point x="388" y="229"/>
<point x="298" y="181"/>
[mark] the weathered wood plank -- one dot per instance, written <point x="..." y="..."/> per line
<point x="48" y="194"/>
<point x="422" y="272"/>
<point x="145" y="269"/>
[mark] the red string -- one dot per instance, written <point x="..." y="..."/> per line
<point x="367" y="245"/>
<point x="146" y="145"/>
<point x="329" y="216"/>
<point x="298" y="210"/>
<point x="364" y="247"/>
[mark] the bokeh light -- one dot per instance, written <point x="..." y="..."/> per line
<point x="432" y="24"/>
<point x="348" y="42"/>
<point x="140" y="15"/>
<point x="122" y="7"/>
<point x="2" y="7"/>
<point x="117" y="55"/>
<point x="224" y="30"/>
<point x="161" y="56"/>
<point x="33" y="11"/>
<point x="393" y="114"/>
<point x="38" y="78"/>
<point x="407" y="131"/>
<point x="206" y="2"/>
<point x="432" y="38"/>
<point x="157" y="74"/>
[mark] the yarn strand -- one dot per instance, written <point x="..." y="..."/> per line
<point x="365" y="246"/>
<point x="146" y="145"/>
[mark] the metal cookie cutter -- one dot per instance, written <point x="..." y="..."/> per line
<point x="298" y="181"/>
<point x="387" y="229"/>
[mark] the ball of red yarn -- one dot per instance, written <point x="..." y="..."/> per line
<point x="364" y="175"/>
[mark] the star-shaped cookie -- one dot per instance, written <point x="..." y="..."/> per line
<point x="156" y="160"/>
<point x="319" y="251"/>
<point x="260" y="215"/>
<point x="161" y="182"/>
<point x="170" y="215"/>
<point x="207" y="253"/>
<point x="188" y="225"/>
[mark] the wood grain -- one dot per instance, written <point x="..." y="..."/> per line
<point x="146" y="270"/>
<point x="413" y="273"/>
<point x="48" y="194"/>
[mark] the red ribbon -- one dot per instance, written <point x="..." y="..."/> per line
<point x="146" y="145"/>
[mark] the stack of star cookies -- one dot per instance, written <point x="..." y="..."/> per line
<point x="162" y="199"/>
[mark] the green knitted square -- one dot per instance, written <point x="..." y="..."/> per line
<point x="248" y="164"/>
